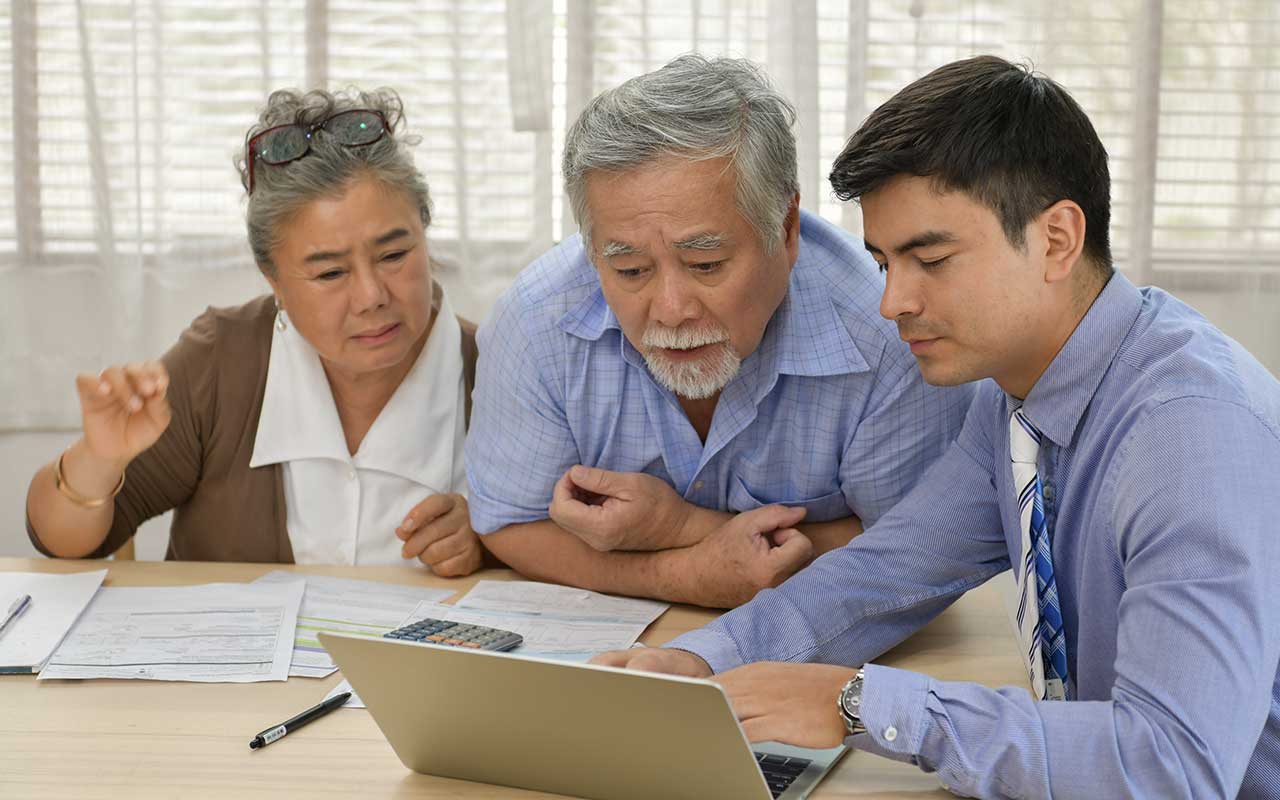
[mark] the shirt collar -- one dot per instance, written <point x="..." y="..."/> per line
<point x="1059" y="398"/>
<point x="806" y="335"/>
<point x="412" y="436"/>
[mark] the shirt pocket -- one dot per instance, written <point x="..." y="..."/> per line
<point x="822" y="508"/>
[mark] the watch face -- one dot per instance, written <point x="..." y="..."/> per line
<point x="851" y="699"/>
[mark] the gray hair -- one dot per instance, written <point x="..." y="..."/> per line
<point x="279" y="192"/>
<point x="699" y="109"/>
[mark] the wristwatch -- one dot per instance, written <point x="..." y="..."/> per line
<point x="850" y="705"/>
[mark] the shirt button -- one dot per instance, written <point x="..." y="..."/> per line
<point x="698" y="484"/>
<point x="890" y="733"/>
<point x="351" y="474"/>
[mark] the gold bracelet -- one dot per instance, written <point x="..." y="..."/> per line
<point x="74" y="496"/>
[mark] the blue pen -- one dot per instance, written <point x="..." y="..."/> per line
<point x="15" y="611"/>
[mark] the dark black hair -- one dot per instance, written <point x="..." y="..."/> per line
<point x="1013" y="140"/>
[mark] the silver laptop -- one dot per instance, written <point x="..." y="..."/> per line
<point x="576" y="729"/>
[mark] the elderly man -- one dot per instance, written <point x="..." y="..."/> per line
<point x="1122" y="460"/>
<point x="698" y="391"/>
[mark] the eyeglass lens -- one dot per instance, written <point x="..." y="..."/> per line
<point x="354" y="127"/>
<point x="350" y="128"/>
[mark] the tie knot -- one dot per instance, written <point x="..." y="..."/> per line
<point x="1024" y="439"/>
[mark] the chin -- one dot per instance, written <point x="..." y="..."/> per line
<point x="945" y="374"/>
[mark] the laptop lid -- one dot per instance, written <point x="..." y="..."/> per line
<point x="560" y="727"/>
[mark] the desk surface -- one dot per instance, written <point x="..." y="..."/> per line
<point x="145" y="739"/>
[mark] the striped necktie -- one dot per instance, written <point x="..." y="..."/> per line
<point x="1039" y="616"/>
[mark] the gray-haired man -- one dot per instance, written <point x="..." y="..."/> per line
<point x="648" y="392"/>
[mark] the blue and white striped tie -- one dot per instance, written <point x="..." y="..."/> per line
<point x="1039" y="615"/>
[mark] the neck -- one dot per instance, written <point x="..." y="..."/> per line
<point x="700" y="413"/>
<point x="1055" y="333"/>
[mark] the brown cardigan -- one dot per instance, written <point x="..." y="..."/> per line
<point x="223" y="510"/>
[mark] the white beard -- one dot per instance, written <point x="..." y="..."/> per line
<point x="694" y="380"/>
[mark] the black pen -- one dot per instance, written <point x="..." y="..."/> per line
<point x="289" y="726"/>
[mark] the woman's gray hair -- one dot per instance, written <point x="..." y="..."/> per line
<point x="328" y="168"/>
<point x="694" y="108"/>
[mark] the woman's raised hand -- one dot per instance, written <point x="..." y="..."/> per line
<point x="124" y="409"/>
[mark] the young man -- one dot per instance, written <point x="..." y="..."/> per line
<point x="647" y="391"/>
<point x="1122" y="460"/>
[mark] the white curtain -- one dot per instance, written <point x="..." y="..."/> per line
<point x="120" y="213"/>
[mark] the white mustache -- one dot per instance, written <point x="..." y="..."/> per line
<point x="682" y="338"/>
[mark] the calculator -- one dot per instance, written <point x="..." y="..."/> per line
<point x="456" y="634"/>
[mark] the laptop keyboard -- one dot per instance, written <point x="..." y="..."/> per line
<point x="780" y="771"/>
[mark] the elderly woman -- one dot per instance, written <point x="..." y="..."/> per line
<point x="323" y="423"/>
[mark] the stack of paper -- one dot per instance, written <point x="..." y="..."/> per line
<point x="218" y="632"/>
<point x="56" y="602"/>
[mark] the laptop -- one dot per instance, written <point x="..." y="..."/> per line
<point x="567" y="728"/>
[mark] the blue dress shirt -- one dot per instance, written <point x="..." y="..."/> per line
<point x="1160" y="465"/>
<point x="829" y="412"/>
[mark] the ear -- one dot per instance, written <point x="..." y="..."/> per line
<point x="791" y="230"/>
<point x="1063" y="227"/>
<point x="275" y="288"/>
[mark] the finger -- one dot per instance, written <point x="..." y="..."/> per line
<point x="759" y="729"/>
<point x="566" y="506"/>
<point x="433" y="507"/>
<point x="157" y="409"/>
<point x="574" y="515"/>
<point x="435" y="530"/>
<point x="598" y="481"/>
<point x="457" y="540"/>
<point x="794" y="550"/>
<point x="121" y="389"/>
<point x="458" y="566"/>
<point x="612" y="658"/>
<point x="769" y="518"/>
<point x="143" y="378"/>
<point x="93" y="390"/>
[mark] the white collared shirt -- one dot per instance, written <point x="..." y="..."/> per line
<point x="344" y="509"/>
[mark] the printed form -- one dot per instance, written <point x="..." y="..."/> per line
<point x="343" y="605"/>
<point x="214" y="633"/>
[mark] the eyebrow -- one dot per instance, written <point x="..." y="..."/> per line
<point x="701" y="241"/>
<point x="926" y="239"/>
<point x="334" y="255"/>
<point x="612" y="248"/>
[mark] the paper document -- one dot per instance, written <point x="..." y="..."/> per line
<point x="563" y="602"/>
<point x="343" y="605"/>
<point x="56" y="602"/>
<point x="213" y="633"/>
<point x="557" y="622"/>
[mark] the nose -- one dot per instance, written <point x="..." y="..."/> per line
<point x="369" y="290"/>
<point x="901" y="296"/>
<point x="674" y="301"/>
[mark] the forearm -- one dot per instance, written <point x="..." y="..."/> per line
<point x="543" y="551"/>
<point x="831" y="535"/>
<point x="1002" y="743"/>
<point x="65" y="528"/>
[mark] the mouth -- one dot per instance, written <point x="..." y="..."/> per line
<point x="690" y="354"/>
<point x="922" y="346"/>
<point x="377" y="336"/>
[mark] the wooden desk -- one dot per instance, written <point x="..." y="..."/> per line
<point x="148" y="739"/>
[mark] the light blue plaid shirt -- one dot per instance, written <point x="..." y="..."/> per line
<point x="829" y="412"/>
<point x="1160" y="459"/>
